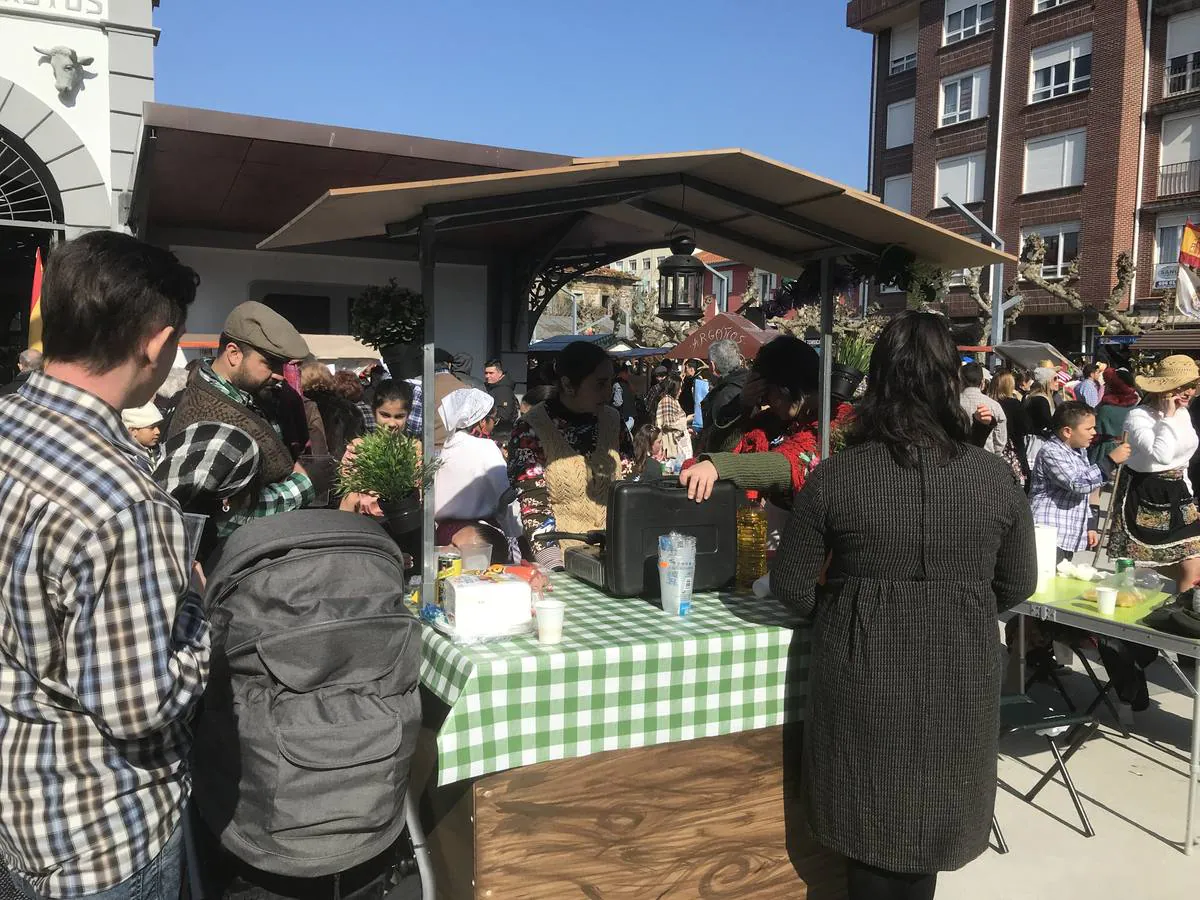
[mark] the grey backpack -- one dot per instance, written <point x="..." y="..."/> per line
<point x="302" y="749"/>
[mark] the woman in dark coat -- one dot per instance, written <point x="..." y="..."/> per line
<point x="926" y="539"/>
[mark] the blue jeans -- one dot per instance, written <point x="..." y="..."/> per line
<point x="160" y="879"/>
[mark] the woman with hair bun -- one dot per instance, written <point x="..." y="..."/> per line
<point x="566" y="452"/>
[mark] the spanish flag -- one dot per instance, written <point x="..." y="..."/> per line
<point x="35" y="305"/>
<point x="1187" y="285"/>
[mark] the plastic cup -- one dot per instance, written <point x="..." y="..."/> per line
<point x="675" y="580"/>
<point x="476" y="558"/>
<point x="1106" y="600"/>
<point x="550" y="614"/>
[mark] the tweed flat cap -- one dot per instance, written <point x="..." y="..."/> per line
<point x="266" y="330"/>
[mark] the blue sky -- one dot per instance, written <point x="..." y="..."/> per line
<point x="782" y="77"/>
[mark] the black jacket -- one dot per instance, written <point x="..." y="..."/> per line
<point x="722" y="408"/>
<point x="505" y="398"/>
<point x="15" y="385"/>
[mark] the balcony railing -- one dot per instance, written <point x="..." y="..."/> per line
<point x="1182" y="75"/>
<point x="1179" y="178"/>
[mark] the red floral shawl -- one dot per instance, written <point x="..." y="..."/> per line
<point x="799" y="441"/>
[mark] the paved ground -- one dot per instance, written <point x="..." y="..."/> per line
<point x="1135" y="792"/>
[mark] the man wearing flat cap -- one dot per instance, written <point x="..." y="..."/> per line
<point x="256" y="343"/>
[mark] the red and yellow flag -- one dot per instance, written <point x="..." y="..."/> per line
<point x="35" y="305"/>
<point x="1187" y="285"/>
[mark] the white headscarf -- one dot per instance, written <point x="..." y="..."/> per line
<point x="465" y="407"/>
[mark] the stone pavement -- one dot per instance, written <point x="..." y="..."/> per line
<point x="1134" y="791"/>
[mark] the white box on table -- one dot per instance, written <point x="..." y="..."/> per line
<point x="491" y="604"/>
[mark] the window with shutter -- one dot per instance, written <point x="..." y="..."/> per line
<point x="1061" y="69"/>
<point x="967" y="18"/>
<point x="1062" y="247"/>
<point x="900" y="123"/>
<point x="1183" y="54"/>
<point x="903" y="51"/>
<point x="965" y="97"/>
<point x="897" y="192"/>
<point x="961" y="177"/>
<point x="1055" y="161"/>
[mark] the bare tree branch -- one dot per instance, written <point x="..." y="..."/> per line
<point x="1113" y="320"/>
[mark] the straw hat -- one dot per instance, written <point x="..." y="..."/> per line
<point x="1170" y="374"/>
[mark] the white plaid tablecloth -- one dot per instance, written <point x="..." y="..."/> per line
<point x="626" y="675"/>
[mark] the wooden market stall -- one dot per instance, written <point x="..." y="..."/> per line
<point x="624" y="764"/>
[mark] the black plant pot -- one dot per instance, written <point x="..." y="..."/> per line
<point x="844" y="381"/>
<point x="403" y="360"/>
<point x="402" y="517"/>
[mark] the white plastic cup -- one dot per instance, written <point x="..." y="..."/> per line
<point x="476" y="558"/>
<point x="668" y="586"/>
<point x="550" y="614"/>
<point x="1106" y="600"/>
<point x="675" y="579"/>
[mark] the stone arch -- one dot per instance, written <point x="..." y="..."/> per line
<point x="57" y="150"/>
<point x="28" y="192"/>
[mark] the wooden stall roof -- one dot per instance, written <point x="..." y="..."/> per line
<point x="736" y="203"/>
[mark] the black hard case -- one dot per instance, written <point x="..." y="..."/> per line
<point x="638" y="512"/>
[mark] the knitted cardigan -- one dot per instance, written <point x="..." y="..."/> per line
<point x="579" y="485"/>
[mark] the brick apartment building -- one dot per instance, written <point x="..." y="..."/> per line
<point x="1077" y="119"/>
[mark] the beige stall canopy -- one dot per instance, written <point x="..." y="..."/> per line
<point x="736" y="203"/>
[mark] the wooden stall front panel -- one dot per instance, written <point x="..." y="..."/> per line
<point x="702" y="819"/>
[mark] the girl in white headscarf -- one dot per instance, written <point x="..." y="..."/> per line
<point x="471" y="484"/>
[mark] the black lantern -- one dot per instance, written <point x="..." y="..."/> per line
<point x="681" y="283"/>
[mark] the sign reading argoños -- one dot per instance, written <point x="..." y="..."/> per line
<point x="94" y="10"/>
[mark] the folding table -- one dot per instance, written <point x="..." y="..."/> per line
<point x="1061" y="602"/>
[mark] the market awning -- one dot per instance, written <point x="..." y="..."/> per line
<point x="560" y="342"/>
<point x="1183" y="339"/>
<point x="742" y="205"/>
<point x="1028" y="355"/>
<point x="727" y="326"/>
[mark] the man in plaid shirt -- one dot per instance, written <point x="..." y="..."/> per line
<point x="104" y="648"/>
<point x="1063" y="479"/>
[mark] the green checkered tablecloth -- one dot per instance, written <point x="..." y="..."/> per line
<point x="626" y="675"/>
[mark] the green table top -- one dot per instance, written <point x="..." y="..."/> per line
<point x="1061" y="602"/>
<point x="626" y="675"/>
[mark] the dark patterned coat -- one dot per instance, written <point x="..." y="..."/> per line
<point x="903" y="714"/>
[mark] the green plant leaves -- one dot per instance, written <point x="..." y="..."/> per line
<point x="384" y="315"/>
<point x="387" y="463"/>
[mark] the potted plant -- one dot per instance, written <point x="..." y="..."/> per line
<point x="388" y="464"/>
<point x="851" y="359"/>
<point x="391" y="319"/>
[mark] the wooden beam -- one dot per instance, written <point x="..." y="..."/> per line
<point x="767" y="210"/>
<point x="692" y="221"/>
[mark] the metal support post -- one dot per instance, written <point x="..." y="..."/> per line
<point x="826" y="354"/>
<point x="998" y="306"/>
<point x="428" y="263"/>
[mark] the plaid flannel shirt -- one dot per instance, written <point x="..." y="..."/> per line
<point x="104" y="650"/>
<point x="415" y="426"/>
<point x="1060" y="483"/>
<point x="293" y="492"/>
<point x="368" y="415"/>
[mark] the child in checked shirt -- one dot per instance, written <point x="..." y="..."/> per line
<point x="1063" y="479"/>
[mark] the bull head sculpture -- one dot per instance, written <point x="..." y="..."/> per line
<point x="68" y="69"/>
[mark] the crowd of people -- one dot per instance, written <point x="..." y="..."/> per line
<point x="915" y="534"/>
